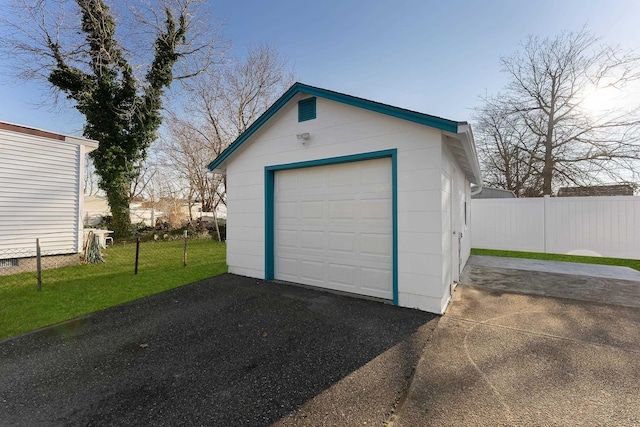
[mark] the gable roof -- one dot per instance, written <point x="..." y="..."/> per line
<point x="457" y="130"/>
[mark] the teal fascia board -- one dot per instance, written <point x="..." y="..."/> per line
<point x="412" y="116"/>
<point x="269" y="205"/>
<point x="254" y="127"/>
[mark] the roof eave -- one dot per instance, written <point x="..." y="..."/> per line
<point x="464" y="135"/>
<point x="90" y="144"/>
<point x="217" y="165"/>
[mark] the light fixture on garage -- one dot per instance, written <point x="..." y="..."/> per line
<point x="303" y="137"/>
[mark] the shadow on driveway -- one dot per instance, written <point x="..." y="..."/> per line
<point x="225" y="351"/>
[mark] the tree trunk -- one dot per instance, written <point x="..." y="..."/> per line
<point x="120" y="216"/>
<point x="547" y="169"/>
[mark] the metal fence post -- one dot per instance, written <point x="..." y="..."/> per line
<point x="184" y="250"/>
<point x="137" y="253"/>
<point x="38" y="264"/>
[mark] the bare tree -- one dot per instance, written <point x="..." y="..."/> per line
<point x="544" y="124"/>
<point x="224" y="103"/>
<point x="90" y="179"/>
<point x="505" y="149"/>
<point x="145" y="171"/>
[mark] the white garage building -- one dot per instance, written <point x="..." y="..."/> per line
<point x="338" y="192"/>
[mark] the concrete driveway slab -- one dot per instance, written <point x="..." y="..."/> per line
<point x="558" y="267"/>
<point x="606" y="284"/>
<point x="222" y="352"/>
<point x="500" y="358"/>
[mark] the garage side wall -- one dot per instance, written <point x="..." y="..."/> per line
<point x="343" y="130"/>
<point x="456" y="248"/>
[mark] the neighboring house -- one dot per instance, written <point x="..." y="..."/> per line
<point x="493" y="193"/>
<point x="329" y="190"/>
<point x="597" y="190"/>
<point x="144" y="212"/>
<point x="95" y="209"/>
<point x="42" y="181"/>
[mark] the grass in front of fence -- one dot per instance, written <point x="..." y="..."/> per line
<point x="70" y="292"/>
<point x="622" y="262"/>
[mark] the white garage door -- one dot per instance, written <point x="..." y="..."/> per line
<point x="333" y="227"/>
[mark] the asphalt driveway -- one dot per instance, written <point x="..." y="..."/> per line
<point x="225" y="351"/>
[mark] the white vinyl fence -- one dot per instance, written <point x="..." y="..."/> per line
<point x="594" y="226"/>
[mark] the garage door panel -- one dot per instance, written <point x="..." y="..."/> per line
<point x="287" y="210"/>
<point x="312" y="179"/>
<point x="311" y="210"/>
<point x="312" y="240"/>
<point x="374" y="209"/>
<point x="378" y="244"/>
<point x="287" y="184"/>
<point x="375" y="279"/>
<point x="341" y="274"/>
<point x="340" y="176"/>
<point x="288" y="268"/>
<point x="375" y="173"/>
<point x="287" y="238"/>
<point x="312" y="270"/>
<point x="341" y="209"/>
<point x="342" y="227"/>
<point x="342" y="242"/>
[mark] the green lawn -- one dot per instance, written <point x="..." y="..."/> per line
<point x="633" y="263"/>
<point x="70" y="292"/>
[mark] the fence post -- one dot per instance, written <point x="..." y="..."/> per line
<point x="38" y="264"/>
<point x="137" y="253"/>
<point x="184" y="250"/>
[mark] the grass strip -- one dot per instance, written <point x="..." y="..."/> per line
<point x="622" y="262"/>
<point x="70" y="292"/>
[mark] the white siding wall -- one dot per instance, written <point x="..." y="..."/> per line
<point x="596" y="226"/>
<point x="466" y="238"/>
<point x="461" y="193"/>
<point x="341" y="130"/>
<point x="446" y="230"/>
<point x="39" y="188"/>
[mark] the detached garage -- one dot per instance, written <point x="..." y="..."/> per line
<point x="343" y="193"/>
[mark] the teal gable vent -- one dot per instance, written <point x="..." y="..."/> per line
<point x="306" y="109"/>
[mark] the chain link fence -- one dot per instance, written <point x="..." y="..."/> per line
<point x="142" y="253"/>
<point x="23" y="265"/>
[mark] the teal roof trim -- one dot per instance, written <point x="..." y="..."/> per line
<point x="401" y="113"/>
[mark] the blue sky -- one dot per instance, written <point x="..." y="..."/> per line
<point x="435" y="57"/>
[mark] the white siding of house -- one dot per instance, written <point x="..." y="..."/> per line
<point x="341" y="130"/>
<point x="39" y="194"/>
